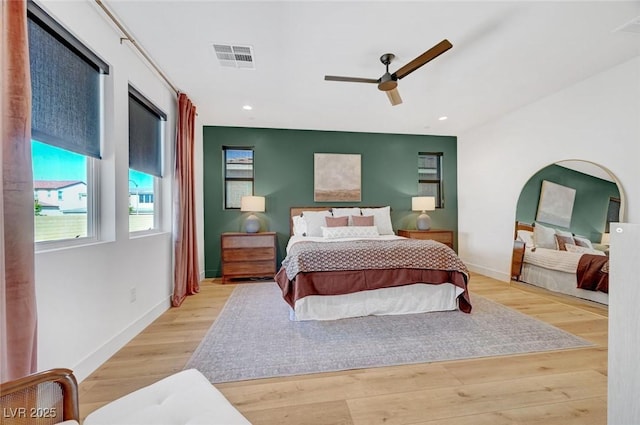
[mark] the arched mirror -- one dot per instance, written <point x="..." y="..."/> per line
<point x="571" y="204"/>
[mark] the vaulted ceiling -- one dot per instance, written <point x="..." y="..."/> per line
<point x="505" y="55"/>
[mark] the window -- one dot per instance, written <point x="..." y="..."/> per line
<point x="238" y="175"/>
<point x="145" y="160"/>
<point x="613" y="213"/>
<point x="430" y="176"/>
<point x="66" y="123"/>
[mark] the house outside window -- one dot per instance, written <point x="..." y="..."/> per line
<point x="238" y="175"/>
<point x="66" y="121"/>
<point x="430" y="176"/>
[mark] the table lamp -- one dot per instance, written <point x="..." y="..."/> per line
<point x="252" y="204"/>
<point x="424" y="204"/>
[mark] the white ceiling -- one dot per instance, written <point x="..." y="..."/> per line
<point x="505" y="55"/>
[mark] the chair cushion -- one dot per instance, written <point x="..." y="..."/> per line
<point x="185" y="398"/>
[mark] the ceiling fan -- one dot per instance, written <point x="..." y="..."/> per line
<point x="388" y="82"/>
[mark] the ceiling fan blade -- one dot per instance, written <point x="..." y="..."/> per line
<point x="350" y="79"/>
<point x="394" y="96"/>
<point x="430" y="54"/>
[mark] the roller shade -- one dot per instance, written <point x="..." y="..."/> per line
<point x="65" y="85"/>
<point x="145" y="135"/>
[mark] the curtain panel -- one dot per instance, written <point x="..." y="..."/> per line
<point x="186" y="274"/>
<point x="18" y="324"/>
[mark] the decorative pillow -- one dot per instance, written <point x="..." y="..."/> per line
<point x="583" y="250"/>
<point x="350" y="232"/>
<point x="362" y="220"/>
<point x="582" y="241"/>
<point x="299" y="225"/>
<point x="337" y="221"/>
<point x="562" y="241"/>
<point x="381" y="219"/>
<point x="315" y="220"/>
<point x="346" y="212"/>
<point x="525" y="236"/>
<point x="544" y="237"/>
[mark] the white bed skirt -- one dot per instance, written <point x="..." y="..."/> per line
<point x="559" y="281"/>
<point x="408" y="299"/>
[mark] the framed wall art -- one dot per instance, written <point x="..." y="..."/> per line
<point x="336" y="177"/>
<point x="556" y="204"/>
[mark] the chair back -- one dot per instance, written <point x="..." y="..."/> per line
<point x="44" y="398"/>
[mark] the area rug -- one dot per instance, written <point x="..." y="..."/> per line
<point x="253" y="338"/>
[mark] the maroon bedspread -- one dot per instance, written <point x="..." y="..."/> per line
<point x="593" y="273"/>
<point x="334" y="268"/>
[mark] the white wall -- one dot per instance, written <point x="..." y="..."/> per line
<point x="597" y="120"/>
<point x="624" y="334"/>
<point x="83" y="293"/>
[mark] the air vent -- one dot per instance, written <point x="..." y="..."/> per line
<point x="234" y="56"/>
<point x="631" y="26"/>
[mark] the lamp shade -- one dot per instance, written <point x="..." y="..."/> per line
<point x="252" y="203"/>
<point x="606" y="239"/>
<point x="423" y="203"/>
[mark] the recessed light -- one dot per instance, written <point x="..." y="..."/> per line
<point x="442" y="118"/>
<point x="247" y="107"/>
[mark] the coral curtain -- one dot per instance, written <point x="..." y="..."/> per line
<point x="186" y="274"/>
<point x="18" y="325"/>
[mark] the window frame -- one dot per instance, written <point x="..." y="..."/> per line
<point x="227" y="179"/>
<point x="157" y="179"/>
<point x="438" y="181"/>
<point x="50" y="25"/>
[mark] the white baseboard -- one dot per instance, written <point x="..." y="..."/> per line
<point x="93" y="361"/>
<point x="495" y="274"/>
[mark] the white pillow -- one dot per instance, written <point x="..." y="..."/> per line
<point x="526" y="236"/>
<point x="583" y="250"/>
<point x="350" y="232"/>
<point x="563" y="233"/>
<point x="582" y="241"/>
<point x="381" y="219"/>
<point x="299" y="225"/>
<point x="341" y="212"/>
<point x="315" y="220"/>
<point x="544" y="237"/>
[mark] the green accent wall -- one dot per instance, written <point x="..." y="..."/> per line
<point x="283" y="168"/>
<point x="590" y="205"/>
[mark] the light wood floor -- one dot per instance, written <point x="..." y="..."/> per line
<point x="562" y="387"/>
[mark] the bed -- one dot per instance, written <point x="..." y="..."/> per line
<point x="357" y="266"/>
<point x="562" y="262"/>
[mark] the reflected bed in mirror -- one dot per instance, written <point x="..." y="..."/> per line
<point x="559" y="261"/>
<point x="562" y="259"/>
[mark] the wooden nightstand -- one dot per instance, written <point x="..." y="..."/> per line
<point x="516" y="259"/>
<point x="444" y="236"/>
<point x="247" y="255"/>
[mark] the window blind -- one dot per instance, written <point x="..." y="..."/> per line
<point x="145" y="135"/>
<point x="65" y="86"/>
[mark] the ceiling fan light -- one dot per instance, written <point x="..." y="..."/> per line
<point x="394" y="97"/>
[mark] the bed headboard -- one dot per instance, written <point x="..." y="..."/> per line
<point x="522" y="226"/>
<point x="294" y="211"/>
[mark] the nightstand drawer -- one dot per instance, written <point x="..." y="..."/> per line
<point x="250" y="241"/>
<point x="243" y="254"/>
<point x="254" y="268"/>
<point x="442" y="236"/>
